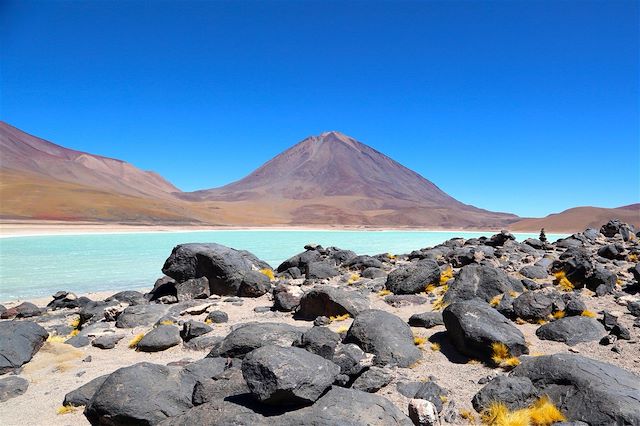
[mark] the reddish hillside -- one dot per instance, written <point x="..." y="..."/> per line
<point x="580" y="218"/>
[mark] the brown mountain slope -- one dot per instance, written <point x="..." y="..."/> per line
<point x="334" y="179"/>
<point x="23" y="153"/>
<point x="580" y="218"/>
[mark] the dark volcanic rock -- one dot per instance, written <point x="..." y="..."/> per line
<point x="107" y="341"/>
<point x="12" y="386"/>
<point x="572" y="330"/>
<point x="386" y="336"/>
<point x="372" y="380"/>
<point x="130" y="297"/>
<point x="254" y="284"/>
<point x="430" y="391"/>
<point x="287" y="376"/>
<point x="82" y="395"/>
<point x="141" y="315"/>
<point x="426" y="319"/>
<point x="481" y="281"/>
<point x="321" y="270"/>
<point x="224" y="267"/>
<point x="19" y="342"/>
<point x="613" y="227"/>
<point x="143" y="394"/>
<point x="217" y="317"/>
<point x="159" y="339"/>
<point x="533" y="305"/>
<point x="350" y="358"/>
<point x="473" y="326"/>
<point x="62" y="300"/>
<point x="514" y="392"/>
<point x="534" y="272"/>
<point x="254" y="335"/>
<point x="228" y="384"/>
<point x="331" y="301"/>
<point x="192" y="329"/>
<point x="320" y="341"/>
<point x="413" y="279"/>
<point x="194" y="288"/>
<point x="286" y="298"/>
<point x="585" y="389"/>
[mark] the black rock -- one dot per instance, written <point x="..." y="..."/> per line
<point x="12" y="386"/>
<point x="373" y="273"/>
<point x="480" y="281"/>
<point x="426" y="319"/>
<point x="533" y="305"/>
<point x="82" y="395"/>
<point x="320" y="341"/>
<point x="321" y="270"/>
<point x="286" y="298"/>
<point x="386" y="336"/>
<point x="19" y="342"/>
<point x="194" y="288"/>
<point x="217" y="317"/>
<point x="514" y="392"/>
<point x="572" y="330"/>
<point x="201" y="343"/>
<point x="192" y="329"/>
<point x="254" y="284"/>
<point x="230" y="383"/>
<point x="287" y="376"/>
<point x="331" y="301"/>
<point x="372" y="380"/>
<point x="585" y="389"/>
<point x="534" y="272"/>
<point x="254" y="335"/>
<point x="430" y="391"/>
<point x="130" y="297"/>
<point x="473" y="326"/>
<point x="413" y="279"/>
<point x="350" y="358"/>
<point x="107" y="341"/>
<point x="159" y="339"/>
<point x="141" y="315"/>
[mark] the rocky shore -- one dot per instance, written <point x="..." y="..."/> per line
<point x="486" y="330"/>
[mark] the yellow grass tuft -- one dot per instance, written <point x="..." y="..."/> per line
<point x="66" y="409"/>
<point x="419" y="341"/>
<point x="74" y="333"/>
<point x="439" y="304"/>
<point x="446" y="275"/>
<point x="468" y="415"/>
<point x="562" y="281"/>
<point x="541" y="321"/>
<point x="166" y="322"/>
<point x="514" y="294"/>
<point x="495" y="301"/>
<point x="384" y="292"/>
<point x="353" y="278"/>
<point x="75" y="323"/>
<point x="208" y="321"/>
<point x="473" y="361"/>
<point x="136" y="339"/>
<point x="541" y="413"/>
<point x="339" y="318"/>
<point x="269" y="273"/>
<point x="430" y="288"/>
<point x="442" y="289"/>
<point x="391" y="256"/>
<point x="436" y="347"/>
<point x="443" y="399"/>
<point x="499" y="352"/>
<point x="633" y="257"/>
<point x="520" y="321"/>
<point x="342" y="329"/>
<point x="510" y="362"/>
<point x="559" y="314"/>
<point x="588" y="313"/>
<point x="53" y="338"/>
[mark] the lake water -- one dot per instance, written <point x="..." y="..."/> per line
<point x="41" y="265"/>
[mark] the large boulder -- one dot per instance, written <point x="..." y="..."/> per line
<point x="321" y="270"/>
<point x="223" y="266"/>
<point x="300" y="260"/>
<point x="19" y="342"/>
<point x="585" y="389"/>
<point x="286" y="298"/>
<point x="331" y="301"/>
<point x="426" y="319"/>
<point x="514" y="392"/>
<point x="141" y="315"/>
<point x="82" y="395"/>
<point x="194" y="288"/>
<point x="254" y="335"/>
<point x="615" y="226"/>
<point x="533" y="305"/>
<point x="572" y="330"/>
<point x="413" y="279"/>
<point x="386" y="336"/>
<point x="320" y="341"/>
<point x="473" y="326"/>
<point x="142" y="394"/>
<point x="287" y="376"/>
<point x="480" y="281"/>
<point x="159" y="339"/>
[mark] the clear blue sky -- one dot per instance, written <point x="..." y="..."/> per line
<point x="530" y="107"/>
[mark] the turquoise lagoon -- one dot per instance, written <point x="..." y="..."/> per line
<point x="38" y="266"/>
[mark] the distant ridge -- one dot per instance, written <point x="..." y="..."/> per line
<point x="577" y="218"/>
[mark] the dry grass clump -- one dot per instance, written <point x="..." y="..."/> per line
<point x="136" y="339"/>
<point x="166" y="322"/>
<point x="54" y="338"/>
<point x="558" y="314"/>
<point x="419" y="340"/>
<point x="208" y="321"/>
<point x="541" y="413"/>
<point x="75" y="323"/>
<point x="391" y="256"/>
<point x="339" y="318"/>
<point x="384" y="292"/>
<point x="66" y="409"/>
<point x="446" y="275"/>
<point x="353" y="278"/>
<point x="562" y="281"/>
<point x="588" y="313"/>
<point x="468" y="415"/>
<point x="501" y="356"/>
<point x="435" y="346"/>
<point x="342" y="329"/>
<point x="495" y="300"/>
<point x="430" y="288"/>
<point x="269" y="273"/>
<point x="439" y="304"/>
<point x="633" y="257"/>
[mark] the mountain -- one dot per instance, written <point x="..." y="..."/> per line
<point x="23" y="153"/>
<point x="580" y="218"/>
<point x="333" y="178"/>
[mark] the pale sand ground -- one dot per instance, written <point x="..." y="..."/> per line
<point x="41" y="228"/>
<point x="54" y="370"/>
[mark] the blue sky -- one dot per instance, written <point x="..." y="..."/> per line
<point x="529" y="107"/>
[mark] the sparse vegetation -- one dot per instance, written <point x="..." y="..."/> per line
<point x="446" y="275"/>
<point x="558" y="314"/>
<point x="384" y="292"/>
<point x="468" y="416"/>
<point x="353" y="278"/>
<point x="66" y="409"/>
<point x="74" y="333"/>
<point x="166" y="322"/>
<point x="633" y="257"/>
<point x="435" y="346"/>
<point x="75" y="323"/>
<point x="439" y="304"/>
<point x="342" y="329"/>
<point x="391" y="256"/>
<point x="502" y="357"/>
<point x="430" y="288"/>
<point x="208" y="321"/>
<point x="495" y="300"/>
<point x="541" y="413"/>
<point x="562" y="281"/>
<point x="588" y="313"/>
<point x="269" y="273"/>
<point x="419" y="341"/>
<point x="136" y="339"/>
<point x="54" y="338"/>
<point x="339" y="318"/>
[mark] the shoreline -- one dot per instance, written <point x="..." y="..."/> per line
<point x="10" y="229"/>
